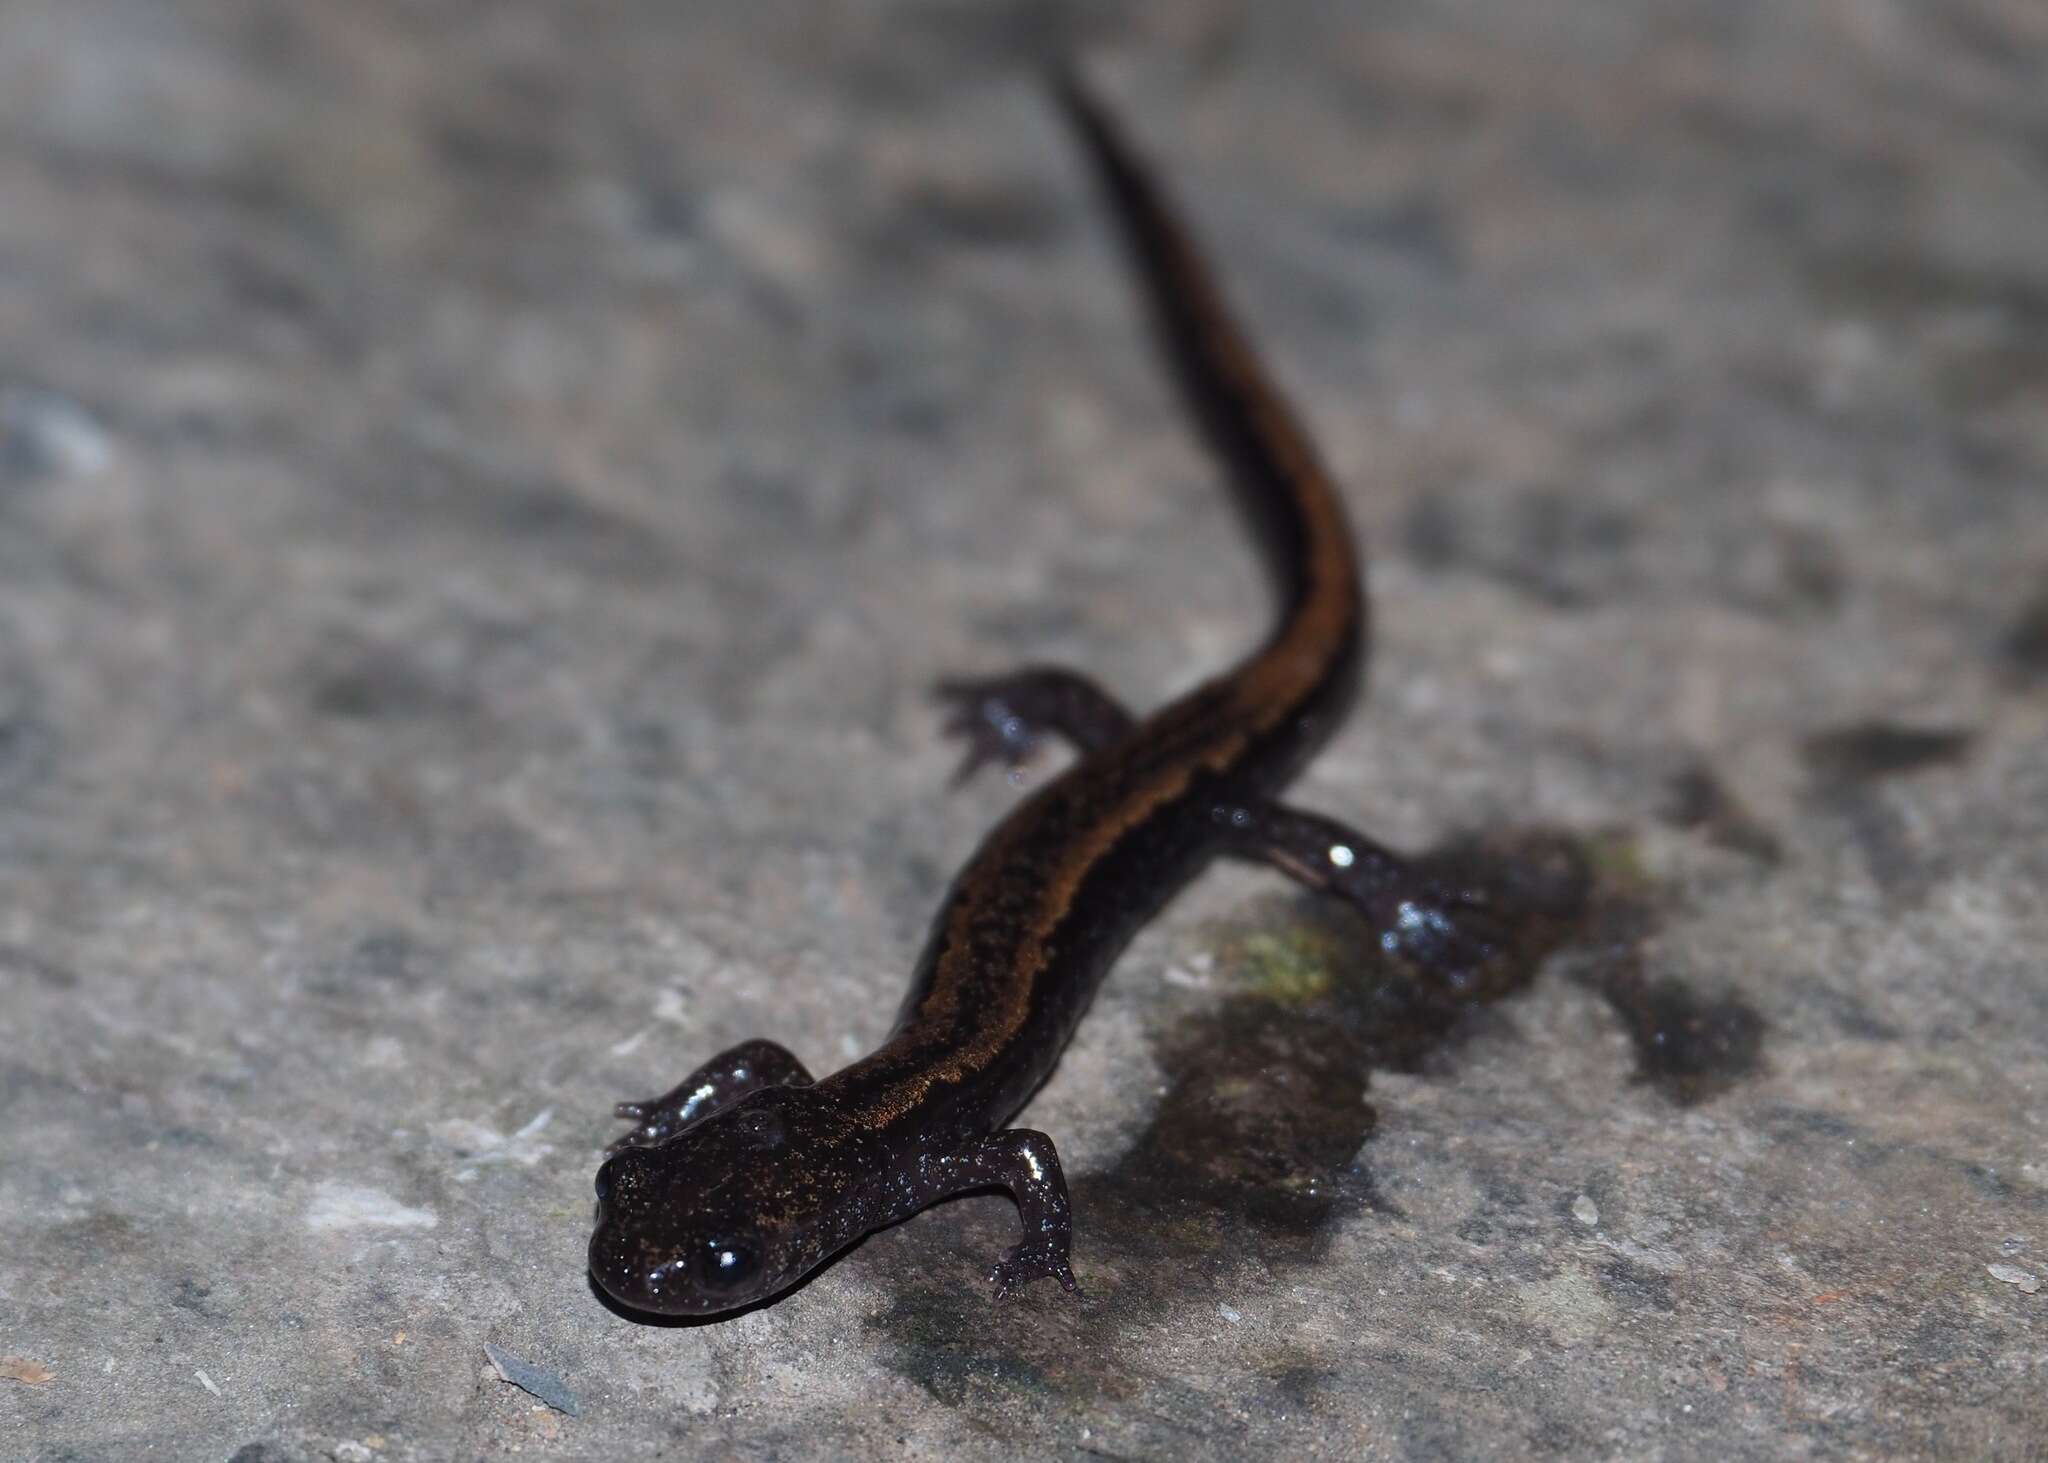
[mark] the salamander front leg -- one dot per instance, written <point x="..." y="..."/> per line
<point x="1004" y="718"/>
<point x="1022" y="1161"/>
<point x="731" y="1074"/>
<point x="1433" y="913"/>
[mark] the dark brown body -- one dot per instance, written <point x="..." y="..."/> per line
<point x="748" y="1174"/>
<point x="1035" y="920"/>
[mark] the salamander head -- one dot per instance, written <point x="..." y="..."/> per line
<point x="735" y="1208"/>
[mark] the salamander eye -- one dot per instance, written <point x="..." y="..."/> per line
<point x="620" y="1174"/>
<point x="762" y="1128"/>
<point x="728" y="1266"/>
<point x="623" y="1174"/>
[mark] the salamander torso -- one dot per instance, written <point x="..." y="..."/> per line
<point x="749" y="1173"/>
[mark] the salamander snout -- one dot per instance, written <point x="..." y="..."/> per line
<point x="669" y="1239"/>
<point x="741" y="1204"/>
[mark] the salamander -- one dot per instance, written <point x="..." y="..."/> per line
<point x="750" y="1173"/>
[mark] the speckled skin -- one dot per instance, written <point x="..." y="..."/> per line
<point x="748" y="1174"/>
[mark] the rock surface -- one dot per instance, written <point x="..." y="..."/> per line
<point x="484" y="491"/>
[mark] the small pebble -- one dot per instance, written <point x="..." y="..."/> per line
<point x="536" y="1380"/>
<point x="2026" y="1280"/>
<point x="1585" y="1211"/>
<point x="44" y="435"/>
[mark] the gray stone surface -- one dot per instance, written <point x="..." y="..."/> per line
<point x="484" y="490"/>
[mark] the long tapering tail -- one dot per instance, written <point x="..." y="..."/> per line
<point x="1277" y="477"/>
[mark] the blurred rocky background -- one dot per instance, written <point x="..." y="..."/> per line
<point x="485" y="490"/>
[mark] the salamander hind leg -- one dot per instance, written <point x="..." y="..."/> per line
<point x="731" y="1074"/>
<point x="1441" y="917"/>
<point x="1005" y="718"/>
<point x="1022" y="1161"/>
